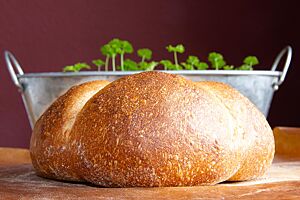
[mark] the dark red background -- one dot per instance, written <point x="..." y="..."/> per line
<point x="46" y="35"/>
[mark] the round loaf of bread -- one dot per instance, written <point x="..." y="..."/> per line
<point x="153" y="129"/>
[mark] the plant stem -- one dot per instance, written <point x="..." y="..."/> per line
<point x="143" y="59"/>
<point x="106" y="62"/>
<point x="175" y="59"/>
<point x="113" y="62"/>
<point x="122" y="61"/>
<point x="99" y="67"/>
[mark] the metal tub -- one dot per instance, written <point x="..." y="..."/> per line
<point x="39" y="90"/>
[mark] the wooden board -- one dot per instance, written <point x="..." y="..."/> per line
<point x="19" y="181"/>
<point x="13" y="156"/>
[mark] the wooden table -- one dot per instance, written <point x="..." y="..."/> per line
<point x="18" y="180"/>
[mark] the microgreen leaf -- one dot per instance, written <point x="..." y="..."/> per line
<point x="187" y="66"/>
<point x="201" y="66"/>
<point x="121" y="47"/>
<point x="167" y="64"/>
<point x="176" y="49"/>
<point x="107" y="50"/>
<point x="148" y="66"/>
<point x="251" y="60"/>
<point x="99" y="63"/>
<point x="217" y="60"/>
<point x="69" y="68"/>
<point x="179" y="48"/>
<point x="214" y="56"/>
<point x="130" y="65"/>
<point x="80" y="66"/>
<point x="145" y="54"/>
<point x="228" y="67"/>
<point x="193" y="60"/>
<point x="151" y="66"/>
<point x="115" y="44"/>
<point x="76" y="68"/>
<point x="170" y="48"/>
<point x="126" y="47"/>
<point x="245" y="67"/>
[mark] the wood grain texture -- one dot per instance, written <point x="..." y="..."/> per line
<point x="13" y="156"/>
<point x="287" y="143"/>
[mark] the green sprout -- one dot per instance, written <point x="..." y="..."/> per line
<point x="217" y="60"/>
<point x="115" y="45"/>
<point x="99" y="63"/>
<point x="187" y="66"/>
<point x="193" y="62"/>
<point x="130" y="65"/>
<point x="201" y="65"/>
<point x="69" y="68"/>
<point x="148" y="66"/>
<point x="245" y="67"/>
<point x="121" y="47"/>
<point x="107" y="51"/>
<point x="249" y="62"/>
<point x="168" y="65"/>
<point x="76" y="68"/>
<point x="145" y="54"/>
<point x="125" y="47"/>
<point x="176" y="49"/>
<point x="228" y="67"/>
<point x="190" y="62"/>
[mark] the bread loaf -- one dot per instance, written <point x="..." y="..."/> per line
<point x="152" y="129"/>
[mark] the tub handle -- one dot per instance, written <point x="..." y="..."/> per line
<point x="12" y="63"/>
<point x="288" y="50"/>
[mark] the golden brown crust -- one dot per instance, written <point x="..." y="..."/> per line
<point x="256" y="142"/>
<point x="158" y="129"/>
<point x="50" y="142"/>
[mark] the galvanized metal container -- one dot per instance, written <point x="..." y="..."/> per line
<point x="39" y="90"/>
